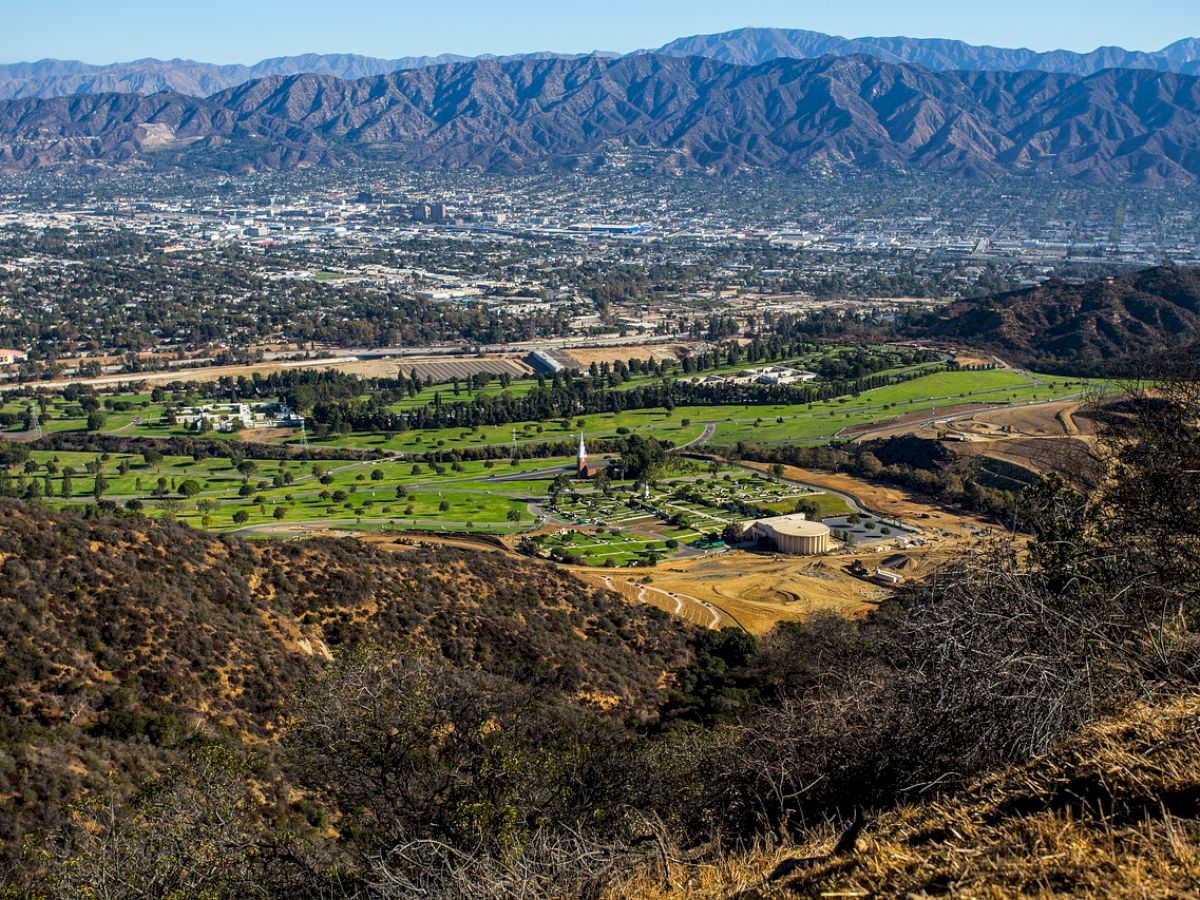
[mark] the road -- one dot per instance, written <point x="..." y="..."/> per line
<point x="710" y="429"/>
<point x="680" y="602"/>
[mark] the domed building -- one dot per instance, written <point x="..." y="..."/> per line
<point x="794" y="534"/>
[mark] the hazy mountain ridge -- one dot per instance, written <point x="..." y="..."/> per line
<point x="753" y="46"/>
<point x="60" y="78"/>
<point x="743" y="46"/>
<point x="1117" y="125"/>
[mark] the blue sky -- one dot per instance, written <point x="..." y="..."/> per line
<point x="249" y="30"/>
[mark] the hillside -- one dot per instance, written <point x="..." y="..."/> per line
<point x="670" y="113"/>
<point x="119" y="637"/>
<point x="1093" y="326"/>
<point x="1113" y="812"/>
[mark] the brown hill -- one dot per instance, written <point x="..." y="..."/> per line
<point x="1080" y="328"/>
<point x="118" y="637"/>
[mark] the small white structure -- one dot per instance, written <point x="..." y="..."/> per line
<point x="230" y="417"/>
<point x="222" y="417"/>
<point x="773" y="375"/>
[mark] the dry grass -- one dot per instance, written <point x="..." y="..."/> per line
<point x="1114" y="812"/>
<point x="657" y="352"/>
<point x="1042" y="420"/>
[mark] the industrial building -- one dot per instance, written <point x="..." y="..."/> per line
<point x="550" y="362"/>
<point x="794" y="534"/>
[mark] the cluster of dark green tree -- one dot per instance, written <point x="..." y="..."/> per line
<point x="568" y="395"/>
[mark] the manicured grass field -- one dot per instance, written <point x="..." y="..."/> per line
<point x="801" y="423"/>
<point x="821" y="422"/>
<point x="460" y="495"/>
<point x="604" y="548"/>
<point x="648" y="422"/>
<point x="827" y="505"/>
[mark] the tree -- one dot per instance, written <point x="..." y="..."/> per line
<point x="96" y="420"/>
<point x="206" y="507"/>
<point x="642" y="457"/>
<point x="241" y="517"/>
<point x="100" y="487"/>
<point x="189" y="488"/>
<point x="279" y="513"/>
<point x="719" y="682"/>
<point x="194" y="827"/>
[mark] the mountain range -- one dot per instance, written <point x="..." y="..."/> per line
<point x="61" y="78"/>
<point x="744" y="46"/>
<point x="751" y="46"/>
<point x="1137" y="125"/>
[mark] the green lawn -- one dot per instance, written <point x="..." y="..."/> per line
<point x="820" y="422"/>
<point x="604" y="549"/>
<point x="656" y="422"/>
<point x="476" y="494"/>
<point x="335" y="490"/>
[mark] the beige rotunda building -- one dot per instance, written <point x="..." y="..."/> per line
<point x="794" y="534"/>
